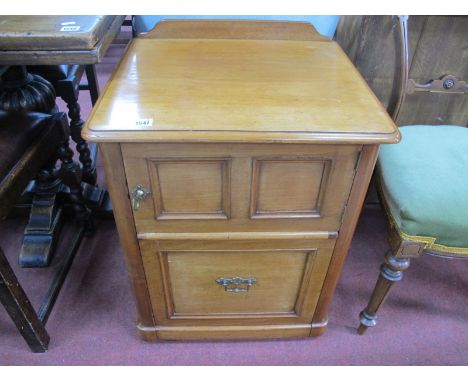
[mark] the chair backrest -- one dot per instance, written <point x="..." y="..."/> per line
<point x="416" y="66"/>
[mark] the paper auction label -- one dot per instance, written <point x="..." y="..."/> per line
<point x="70" y="28"/>
<point x="144" y="122"/>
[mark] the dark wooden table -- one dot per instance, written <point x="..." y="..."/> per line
<point x="51" y="41"/>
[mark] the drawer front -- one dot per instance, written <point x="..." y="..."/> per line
<point x="238" y="187"/>
<point x="277" y="282"/>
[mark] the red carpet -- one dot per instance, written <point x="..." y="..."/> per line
<point x="424" y="321"/>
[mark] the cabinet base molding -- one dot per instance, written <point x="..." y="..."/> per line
<point x="230" y="332"/>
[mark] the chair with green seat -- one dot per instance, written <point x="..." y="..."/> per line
<point x="423" y="185"/>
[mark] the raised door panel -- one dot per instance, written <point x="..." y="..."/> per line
<point x="289" y="188"/>
<point x="233" y="281"/>
<point x="239" y="187"/>
<point x="190" y="188"/>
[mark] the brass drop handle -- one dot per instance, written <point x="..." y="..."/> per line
<point x="138" y="194"/>
<point x="236" y="284"/>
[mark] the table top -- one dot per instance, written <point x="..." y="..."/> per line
<point x="238" y="90"/>
<point x="52" y="40"/>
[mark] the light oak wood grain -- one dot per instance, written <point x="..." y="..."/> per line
<point x="236" y="235"/>
<point x="221" y="187"/>
<point x="182" y="277"/>
<point x="256" y="155"/>
<point x="229" y="332"/>
<point x="350" y="218"/>
<point x="238" y="29"/>
<point x="217" y="90"/>
<point x="116" y="183"/>
<point x="194" y="291"/>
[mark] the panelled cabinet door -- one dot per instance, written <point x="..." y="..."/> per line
<point x="229" y="187"/>
<point x="223" y="281"/>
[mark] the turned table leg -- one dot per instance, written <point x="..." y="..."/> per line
<point x="68" y="89"/>
<point x="25" y="92"/>
<point x="76" y="124"/>
<point x="391" y="271"/>
<point x="45" y="220"/>
<point x="71" y="175"/>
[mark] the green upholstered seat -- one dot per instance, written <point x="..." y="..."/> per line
<point x="424" y="182"/>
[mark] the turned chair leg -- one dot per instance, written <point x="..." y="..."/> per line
<point x="391" y="271"/>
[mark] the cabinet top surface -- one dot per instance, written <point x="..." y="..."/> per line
<point x="238" y="90"/>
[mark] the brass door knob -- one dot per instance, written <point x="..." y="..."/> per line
<point x="137" y="195"/>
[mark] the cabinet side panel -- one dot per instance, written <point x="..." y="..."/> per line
<point x="117" y="187"/>
<point x="353" y="210"/>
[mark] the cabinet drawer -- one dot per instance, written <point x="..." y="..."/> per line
<point x="277" y="281"/>
<point x="239" y="187"/>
